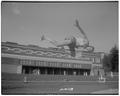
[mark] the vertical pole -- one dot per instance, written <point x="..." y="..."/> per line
<point x="25" y="79"/>
<point x="19" y="69"/>
<point x="23" y="71"/>
<point x="64" y="72"/>
<point x="74" y="72"/>
<point x="38" y="72"/>
<point x="111" y="74"/>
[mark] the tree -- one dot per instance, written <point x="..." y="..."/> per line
<point x="114" y="59"/>
<point x="110" y="61"/>
<point x="106" y="63"/>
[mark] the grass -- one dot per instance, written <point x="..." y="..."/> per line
<point x="54" y="87"/>
<point x="14" y="84"/>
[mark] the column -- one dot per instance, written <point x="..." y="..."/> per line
<point x="64" y="72"/>
<point x="92" y="71"/>
<point x="38" y="71"/>
<point x="74" y="72"/>
<point x="23" y="70"/>
<point x="19" y="69"/>
<point x="45" y="70"/>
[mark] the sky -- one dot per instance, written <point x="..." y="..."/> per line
<point x="25" y="23"/>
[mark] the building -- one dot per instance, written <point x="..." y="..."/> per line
<point x="32" y="59"/>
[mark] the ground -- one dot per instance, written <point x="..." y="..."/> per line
<point x="59" y="87"/>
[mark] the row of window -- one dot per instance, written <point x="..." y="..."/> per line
<point x="96" y="60"/>
<point x="28" y="62"/>
<point x="48" y="63"/>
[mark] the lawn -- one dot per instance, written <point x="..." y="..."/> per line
<point x="56" y="87"/>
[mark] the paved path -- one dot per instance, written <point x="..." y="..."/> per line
<point x="108" y="91"/>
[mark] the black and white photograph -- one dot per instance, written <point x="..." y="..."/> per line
<point x="59" y="48"/>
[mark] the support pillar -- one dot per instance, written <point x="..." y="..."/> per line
<point x="64" y="72"/>
<point x="45" y="71"/>
<point x="74" y="72"/>
<point x="19" y="69"/>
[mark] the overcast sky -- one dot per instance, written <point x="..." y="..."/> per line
<point x="25" y="23"/>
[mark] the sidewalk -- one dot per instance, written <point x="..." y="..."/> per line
<point x="108" y="91"/>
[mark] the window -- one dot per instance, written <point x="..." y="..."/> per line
<point x="41" y="63"/>
<point x="4" y="49"/>
<point x="79" y="66"/>
<point x="69" y="65"/>
<point x="27" y="62"/>
<point x="97" y="60"/>
<point x="16" y="49"/>
<point x="28" y="51"/>
<point x="93" y="59"/>
<point x="50" y="63"/>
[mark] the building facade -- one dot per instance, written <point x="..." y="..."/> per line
<point x="32" y="59"/>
